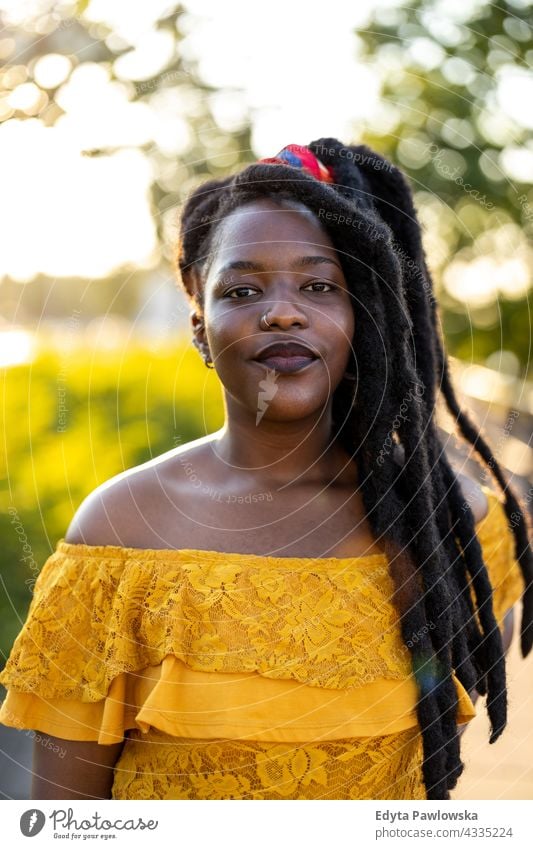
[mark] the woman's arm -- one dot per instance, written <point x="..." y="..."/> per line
<point x="69" y="769"/>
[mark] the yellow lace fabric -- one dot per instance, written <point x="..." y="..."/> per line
<point x="498" y="546"/>
<point x="158" y="766"/>
<point x="249" y="666"/>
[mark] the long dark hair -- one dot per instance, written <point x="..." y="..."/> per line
<point x="412" y="496"/>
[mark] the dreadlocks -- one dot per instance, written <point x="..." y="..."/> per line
<point x="411" y="494"/>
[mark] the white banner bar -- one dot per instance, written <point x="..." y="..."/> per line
<point x="269" y="824"/>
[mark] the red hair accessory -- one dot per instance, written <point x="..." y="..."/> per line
<point x="299" y="156"/>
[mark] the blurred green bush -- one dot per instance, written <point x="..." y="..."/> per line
<point x="123" y="407"/>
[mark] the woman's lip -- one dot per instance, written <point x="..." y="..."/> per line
<point x="286" y="364"/>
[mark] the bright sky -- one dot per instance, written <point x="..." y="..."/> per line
<point x="298" y="64"/>
<point x="66" y="214"/>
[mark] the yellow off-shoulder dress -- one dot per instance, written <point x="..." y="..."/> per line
<point x="232" y="676"/>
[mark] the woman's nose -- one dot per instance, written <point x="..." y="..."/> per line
<point x="281" y="312"/>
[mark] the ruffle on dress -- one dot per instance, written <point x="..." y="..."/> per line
<point x="204" y="644"/>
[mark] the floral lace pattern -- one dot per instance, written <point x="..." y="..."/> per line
<point x="157" y="766"/>
<point x="98" y="611"/>
<point x="498" y="544"/>
<point x="101" y="611"/>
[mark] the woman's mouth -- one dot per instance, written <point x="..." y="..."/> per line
<point x="286" y="357"/>
<point x="286" y="364"/>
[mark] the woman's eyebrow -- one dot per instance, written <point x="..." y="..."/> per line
<point x="299" y="262"/>
<point x="313" y="259"/>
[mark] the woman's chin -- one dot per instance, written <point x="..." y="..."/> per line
<point x="288" y="410"/>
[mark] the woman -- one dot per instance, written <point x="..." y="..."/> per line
<point x="304" y="614"/>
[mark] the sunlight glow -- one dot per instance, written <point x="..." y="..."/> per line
<point x="16" y="347"/>
<point x="67" y="214"/>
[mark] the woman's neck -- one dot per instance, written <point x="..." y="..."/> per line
<point x="285" y="453"/>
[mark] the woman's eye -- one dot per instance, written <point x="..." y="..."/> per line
<point x="322" y="283"/>
<point x="233" y="292"/>
<point x="237" y="292"/>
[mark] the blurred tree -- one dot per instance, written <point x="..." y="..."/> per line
<point x="456" y="114"/>
<point x="198" y="129"/>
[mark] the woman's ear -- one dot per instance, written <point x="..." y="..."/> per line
<point x="199" y="335"/>
<point x="193" y="282"/>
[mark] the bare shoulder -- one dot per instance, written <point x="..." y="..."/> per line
<point x="474" y="496"/>
<point x="128" y="509"/>
<point x="105" y="516"/>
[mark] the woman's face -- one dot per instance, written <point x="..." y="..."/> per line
<point x="274" y="259"/>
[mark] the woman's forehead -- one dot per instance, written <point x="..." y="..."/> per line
<point x="267" y="221"/>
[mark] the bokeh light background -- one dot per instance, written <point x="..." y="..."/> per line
<point x="112" y="111"/>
